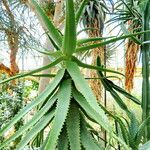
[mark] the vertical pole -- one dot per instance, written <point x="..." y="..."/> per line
<point x="145" y="71"/>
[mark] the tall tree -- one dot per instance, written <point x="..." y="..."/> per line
<point x="93" y="18"/>
<point x="16" y="31"/>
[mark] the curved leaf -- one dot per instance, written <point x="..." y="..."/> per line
<point x="30" y="123"/>
<point x="84" y="88"/>
<point x="34" y="71"/>
<point x="92" y="46"/>
<point x="49" y="89"/>
<point x="53" y="32"/>
<point x="35" y="130"/>
<point x="87" y="140"/>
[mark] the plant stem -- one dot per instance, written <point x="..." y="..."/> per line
<point x="145" y="73"/>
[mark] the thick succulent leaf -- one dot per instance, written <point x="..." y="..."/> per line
<point x="93" y="46"/>
<point x="80" y="10"/>
<point x="64" y="96"/>
<point x="84" y="88"/>
<point x="90" y="111"/>
<point x="119" y="101"/>
<point x="134" y="125"/>
<point x="44" y="75"/>
<point x="52" y="31"/>
<point x="110" y="86"/>
<point x="126" y="94"/>
<point x="81" y="64"/>
<point x="87" y="40"/>
<point x="63" y="140"/>
<point x="35" y="130"/>
<point x="34" y="71"/>
<point x="49" y="89"/>
<point x="125" y="133"/>
<point x="87" y="140"/>
<point x="96" y="116"/>
<point x="69" y="43"/>
<point x="73" y="127"/>
<point x="30" y="123"/>
<point x="141" y="129"/>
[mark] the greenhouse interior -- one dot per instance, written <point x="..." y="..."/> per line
<point x="74" y="74"/>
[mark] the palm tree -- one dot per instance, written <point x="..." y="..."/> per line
<point x="93" y="18"/>
<point x="133" y="16"/>
<point x="14" y="31"/>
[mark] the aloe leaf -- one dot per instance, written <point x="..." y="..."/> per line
<point x="81" y="64"/>
<point x="84" y="88"/>
<point x="73" y="127"/>
<point x="95" y="115"/>
<point x="126" y="94"/>
<point x="49" y="89"/>
<point x="44" y="75"/>
<point x="63" y="140"/>
<point x="53" y="32"/>
<point x="64" y="96"/>
<point x="134" y="125"/>
<point x="92" y="46"/>
<point x="87" y="140"/>
<point x="83" y="41"/>
<point x="80" y="10"/>
<point x="123" y="128"/>
<point x="140" y="131"/>
<point x="90" y="111"/>
<point x="29" y="124"/>
<point x="35" y="130"/>
<point x="109" y="86"/>
<point x="69" y="42"/>
<point x="32" y="72"/>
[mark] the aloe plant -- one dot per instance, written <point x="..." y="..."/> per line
<point x="67" y="104"/>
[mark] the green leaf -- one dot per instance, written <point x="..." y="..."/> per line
<point x="84" y="88"/>
<point x="83" y="41"/>
<point x="126" y="94"/>
<point x="141" y="129"/>
<point x="81" y="64"/>
<point x="99" y="118"/>
<point x="93" y="46"/>
<point x="80" y="10"/>
<point x="73" y="127"/>
<point x="96" y="116"/>
<point x="63" y="140"/>
<point x="64" y="95"/>
<point x="35" y="130"/>
<point x="53" y="32"/>
<point x="34" y="71"/>
<point x="88" y="142"/>
<point x="30" y="123"/>
<point x="69" y="42"/>
<point x="49" y="89"/>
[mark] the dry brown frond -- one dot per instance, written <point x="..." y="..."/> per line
<point x="131" y="59"/>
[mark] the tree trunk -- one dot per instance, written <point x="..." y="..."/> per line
<point x="43" y="80"/>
